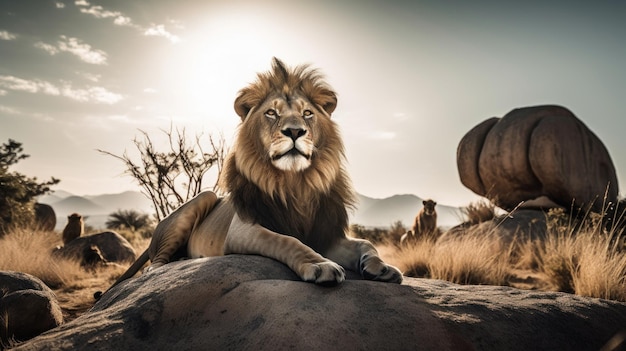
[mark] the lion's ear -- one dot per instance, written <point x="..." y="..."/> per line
<point x="244" y="103"/>
<point x="327" y="99"/>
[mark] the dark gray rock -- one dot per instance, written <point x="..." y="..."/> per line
<point x="111" y="246"/>
<point x="254" y="303"/>
<point x="45" y="218"/>
<point x="27" y="307"/>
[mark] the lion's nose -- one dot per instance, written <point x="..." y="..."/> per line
<point x="293" y="133"/>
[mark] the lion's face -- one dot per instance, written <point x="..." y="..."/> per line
<point x="287" y="144"/>
<point x="288" y="128"/>
<point x="429" y="206"/>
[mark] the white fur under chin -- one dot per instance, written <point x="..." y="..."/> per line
<point x="292" y="163"/>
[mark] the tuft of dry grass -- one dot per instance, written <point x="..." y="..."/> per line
<point x="30" y="251"/>
<point x="472" y="258"/>
<point x="479" y="211"/>
<point x="475" y="258"/>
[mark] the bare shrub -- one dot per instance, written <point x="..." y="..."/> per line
<point x="172" y="177"/>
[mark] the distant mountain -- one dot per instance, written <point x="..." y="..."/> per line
<point x="78" y="204"/>
<point x="370" y="212"/>
<point x="126" y="200"/>
<point x="94" y="208"/>
<point x="384" y="212"/>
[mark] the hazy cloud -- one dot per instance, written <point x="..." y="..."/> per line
<point x="83" y="51"/>
<point x="29" y="86"/>
<point x="59" y="5"/>
<point x="90" y="76"/>
<point x="160" y="31"/>
<point x="5" y="35"/>
<point x="123" y="21"/>
<point x="3" y="92"/>
<point x="76" y="47"/>
<point x="51" y="49"/>
<point x="34" y="86"/>
<point x="120" y="19"/>
<point x="9" y="110"/>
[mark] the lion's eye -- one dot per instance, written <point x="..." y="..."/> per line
<point x="307" y="114"/>
<point x="271" y="114"/>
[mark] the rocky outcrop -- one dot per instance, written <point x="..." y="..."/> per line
<point x="111" y="246"/>
<point x="520" y="225"/>
<point x="254" y="303"/>
<point x="27" y="307"/>
<point x="541" y="152"/>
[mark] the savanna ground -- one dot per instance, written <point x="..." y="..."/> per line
<point x="580" y="259"/>
<point x="30" y="251"/>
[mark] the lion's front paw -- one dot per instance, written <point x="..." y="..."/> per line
<point x="373" y="268"/>
<point x="324" y="273"/>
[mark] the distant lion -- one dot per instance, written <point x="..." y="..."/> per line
<point x="426" y="220"/>
<point x="425" y="225"/>
<point x="74" y="228"/>
<point x="289" y="192"/>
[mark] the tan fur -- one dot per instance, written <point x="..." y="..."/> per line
<point x="74" y="228"/>
<point x="426" y="220"/>
<point x="288" y="190"/>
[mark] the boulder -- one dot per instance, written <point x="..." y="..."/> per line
<point x="111" y="246"/>
<point x="27" y="307"/>
<point x="540" y="152"/>
<point x="525" y="224"/>
<point x="240" y="302"/>
<point x="45" y="217"/>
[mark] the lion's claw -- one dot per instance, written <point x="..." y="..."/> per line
<point x="325" y="273"/>
<point x="373" y="268"/>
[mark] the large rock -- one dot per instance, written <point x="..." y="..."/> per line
<point x="27" y="307"/>
<point x="112" y="246"/>
<point x="45" y="217"/>
<point x="254" y="303"/>
<point x="537" y="152"/>
<point x="519" y="225"/>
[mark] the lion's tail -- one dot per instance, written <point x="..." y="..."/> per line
<point x="131" y="271"/>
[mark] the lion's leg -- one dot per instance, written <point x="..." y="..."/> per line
<point x="245" y="238"/>
<point x="361" y="256"/>
<point x="173" y="232"/>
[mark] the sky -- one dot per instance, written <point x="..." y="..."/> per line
<point x="412" y="77"/>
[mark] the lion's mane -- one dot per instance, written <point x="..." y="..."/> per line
<point x="312" y="204"/>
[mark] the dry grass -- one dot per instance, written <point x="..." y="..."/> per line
<point x="30" y="251"/>
<point x="472" y="258"/>
<point x="580" y="259"/>
<point x="479" y="211"/>
<point x="583" y="258"/>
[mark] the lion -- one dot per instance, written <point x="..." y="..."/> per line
<point x="74" y="228"/>
<point x="426" y="220"/>
<point x="288" y="193"/>
<point x="425" y="225"/>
